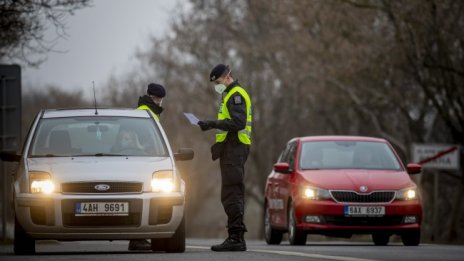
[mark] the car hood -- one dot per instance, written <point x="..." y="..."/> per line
<point x="354" y="179"/>
<point x="78" y="169"/>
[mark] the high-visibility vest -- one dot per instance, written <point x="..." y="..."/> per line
<point x="243" y="135"/>
<point x="145" y="107"/>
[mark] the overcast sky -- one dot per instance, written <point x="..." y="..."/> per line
<point x="102" y="41"/>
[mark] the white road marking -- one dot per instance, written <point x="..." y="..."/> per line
<point x="288" y="253"/>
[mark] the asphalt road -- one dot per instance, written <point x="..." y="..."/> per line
<point x="199" y="249"/>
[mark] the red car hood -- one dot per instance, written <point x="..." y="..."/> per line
<point x="353" y="179"/>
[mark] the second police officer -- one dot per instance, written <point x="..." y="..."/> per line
<point x="150" y="102"/>
<point x="153" y="99"/>
<point x="233" y="140"/>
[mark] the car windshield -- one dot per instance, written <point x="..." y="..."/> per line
<point x="97" y="136"/>
<point x="347" y="155"/>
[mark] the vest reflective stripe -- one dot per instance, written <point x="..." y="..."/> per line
<point x="243" y="135"/>
<point x="145" y="107"/>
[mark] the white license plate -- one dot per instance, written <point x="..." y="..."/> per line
<point x="364" y="211"/>
<point x="102" y="209"/>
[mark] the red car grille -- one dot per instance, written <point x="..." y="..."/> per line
<point x="363" y="221"/>
<point x="113" y="187"/>
<point x="353" y="197"/>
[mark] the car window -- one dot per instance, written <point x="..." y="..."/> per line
<point x="288" y="155"/>
<point x="87" y="136"/>
<point x="347" y="155"/>
<point x="291" y="155"/>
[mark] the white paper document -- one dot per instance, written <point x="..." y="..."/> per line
<point x="192" y="118"/>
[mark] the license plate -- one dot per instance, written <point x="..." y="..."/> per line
<point x="364" y="211"/>
<point x="102" y="209"/>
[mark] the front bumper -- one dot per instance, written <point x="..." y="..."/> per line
<point x="151" y="215"/>
<point x="331" y="218"/>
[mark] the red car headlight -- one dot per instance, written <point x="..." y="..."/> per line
<point x="314" y="193"/>
<point x="407" y="194"/>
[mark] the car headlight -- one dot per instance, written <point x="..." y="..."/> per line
<point x="407" y="194"/>
<point x="315" y="193"/>
<point x="41" y="182"/>
<point x="163" y="181"/>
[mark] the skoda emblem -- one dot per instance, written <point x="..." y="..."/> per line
<point x="102" y="187"/>
<point x="363" y="188"/>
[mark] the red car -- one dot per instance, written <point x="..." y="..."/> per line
<point x="340" y="186"/>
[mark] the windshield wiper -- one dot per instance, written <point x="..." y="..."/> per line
<point x="98" y="155"/>
<point x="46" y="156"/>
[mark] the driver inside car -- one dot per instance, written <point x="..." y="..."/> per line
<point x="127" y="140"/>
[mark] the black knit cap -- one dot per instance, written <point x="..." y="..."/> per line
<point x="156" y="90"/>
<point x="218" y="71"/>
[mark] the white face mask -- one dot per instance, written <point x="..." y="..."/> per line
<point x="220" y="88"/>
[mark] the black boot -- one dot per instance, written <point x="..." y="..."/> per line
<point x="234" y="242"/>
<point x="139" y="244"/>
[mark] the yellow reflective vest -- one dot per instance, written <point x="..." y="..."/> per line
<point x="243" y="135"/>
<point x="145" y="107"/>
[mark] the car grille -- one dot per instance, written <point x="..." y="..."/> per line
<point x="353" y="197"/>
<point x="363" y="221"/>
<point x="114" y="187"/>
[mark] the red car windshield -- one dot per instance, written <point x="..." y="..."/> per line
<point x="347" y="155"/>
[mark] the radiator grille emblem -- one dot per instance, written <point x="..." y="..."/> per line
<point x="102" y="187"/>
<point x="363" y="188"/>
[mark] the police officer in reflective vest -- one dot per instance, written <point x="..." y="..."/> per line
<point x="233" y="140"/>
<point x="153" y="99"/>
<point x="152" y="103"/>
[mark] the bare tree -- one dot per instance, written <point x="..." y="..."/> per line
<point x="23" y="23"/>
<point x="311" y="68"/>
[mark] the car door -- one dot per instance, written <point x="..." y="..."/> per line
<point x="281" y="184"/>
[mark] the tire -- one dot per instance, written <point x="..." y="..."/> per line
<point x="272" y="236"/>
<point x="295" y="236"/>
<point x="411" y="238"/>
<point x="158" y="244"/>
<point x="381" y="238"/>
<point x="23" y="243"/>
<point x="176" y="244"/>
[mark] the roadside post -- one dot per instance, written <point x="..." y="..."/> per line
<point x="440" y="157"/>
<point x="10" y="131"/>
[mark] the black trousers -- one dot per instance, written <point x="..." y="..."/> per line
<point x="232" y="163"/>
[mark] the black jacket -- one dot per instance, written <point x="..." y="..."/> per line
<point x="232" y="151"/>
<point x="146" y="100"/>
<point x="237" y="110"/>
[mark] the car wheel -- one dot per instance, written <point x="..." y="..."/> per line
<point x="381" y="238"/>
<point x="295" y="236"/>
<point x="158" y="244"/>
<point x="23" y="243"/>
<point x="176" y="244"/>
<point x="272" y="236"/>
<point x="411" y="238"/>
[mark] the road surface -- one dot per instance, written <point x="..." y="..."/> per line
<point x="199" y="250"/>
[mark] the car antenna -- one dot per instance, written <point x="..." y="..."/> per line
<point x="95" y="98"/>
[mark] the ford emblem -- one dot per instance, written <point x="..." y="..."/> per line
<point x="102" y="187"/>
<point x="363" y="188"/>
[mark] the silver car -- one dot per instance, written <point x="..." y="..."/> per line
<point x="105" y="174"/>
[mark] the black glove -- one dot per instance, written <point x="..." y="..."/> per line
<point x="206" y="125"/>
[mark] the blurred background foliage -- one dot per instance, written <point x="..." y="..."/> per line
<point x="391" y="69"/>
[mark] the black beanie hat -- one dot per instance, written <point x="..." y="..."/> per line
<point x="156" y="90"/>
<point x="218" y="71"/>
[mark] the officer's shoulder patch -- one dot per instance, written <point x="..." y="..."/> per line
<point x="238" y="99"/>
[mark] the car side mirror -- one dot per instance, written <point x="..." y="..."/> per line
<point x="184" y="154"/>
<point x="413" y="168"/>
<point x="282" y="167"/>
<point x="10" y="156"/>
